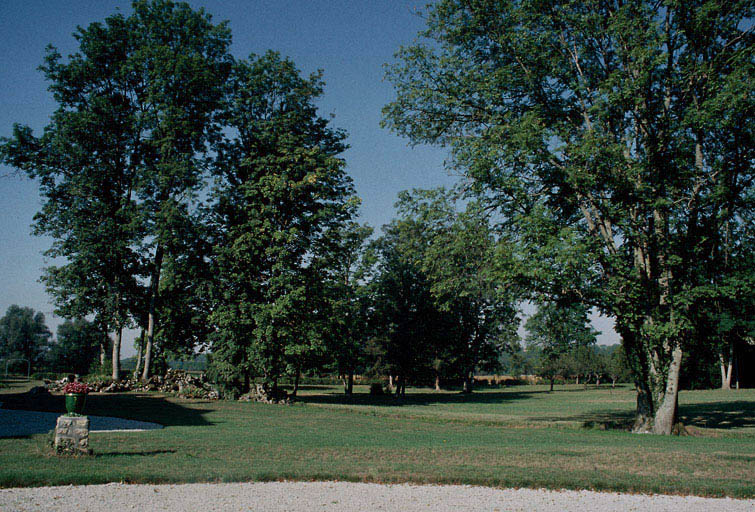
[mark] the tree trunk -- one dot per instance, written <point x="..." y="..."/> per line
<point x="468" y="382"/>
<point x="437" y="382"/>
<point x="390" y="383"/>
<point x="665" y="416"/>
<point x="726" y="367"/>
<point x="643" y="420"/>
<point x="117" y="354"/>
<point x="103" y="352"/>
<point x="552" y="379"/>
<point x="350" y="383"/>
<point x="139" y="352"/>
<point x="296" y="382"/>
<point x="154" y="287"/>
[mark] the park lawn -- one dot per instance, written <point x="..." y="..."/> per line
<point x="365" y="439"/>
<point x="570" y="406"/>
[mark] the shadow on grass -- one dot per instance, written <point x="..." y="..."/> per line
<point x="130" y="406"/>
<point x="414" y="399"/>
<point x="718" y="415"/>
<point x="309" y="387"/>
<point x="723" y="415"/>
<point x="139" y="453"/>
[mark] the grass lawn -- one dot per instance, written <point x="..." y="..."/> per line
<point x="521" y="436"/>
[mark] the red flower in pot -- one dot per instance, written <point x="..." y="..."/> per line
<point x="76" y="395"/>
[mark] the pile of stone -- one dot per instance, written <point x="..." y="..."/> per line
<point x="266" y="396"/>
<point x="174" y="381"/>
<point x="181" y="383"/>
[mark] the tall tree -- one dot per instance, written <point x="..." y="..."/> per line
<point x="469" y="270"/>
<point x="410" y="331"/>
<point x="281" y="186"/>
<point x="87" y="171"/>
<point x="441" y="293"/>
<point x="24" y="335"/>
<point x="122" y="156"/>
<point x="622" y="128"/>
<point x="183" y="61"/>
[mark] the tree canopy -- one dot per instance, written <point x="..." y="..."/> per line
<point x="615" y="138"/>
<point x="24" y="335"/>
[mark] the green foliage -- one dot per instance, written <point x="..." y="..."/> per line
<point x="560" y="332"/>
<point x="280" y="189"/>
<point x="76" y="348"/>
<point x="615" y="141"/>
<point x="24" y="335"/>
<point x="119" y="161"/>
<point x="440" y="289"/>
<point x="338" y="266"/>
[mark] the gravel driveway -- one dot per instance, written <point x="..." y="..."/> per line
<point x="24" y="423"/>
<point x="344" y="496"/>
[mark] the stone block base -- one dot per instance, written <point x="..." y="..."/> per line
<point x="72" y="435"/>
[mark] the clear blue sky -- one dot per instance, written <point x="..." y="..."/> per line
<point x="349" y="39"/>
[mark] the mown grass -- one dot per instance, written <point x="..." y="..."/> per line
<point x="569" y="406"/>
<point x="514" y="437"/>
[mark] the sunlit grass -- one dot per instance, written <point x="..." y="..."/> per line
<point x="514" y="437"/>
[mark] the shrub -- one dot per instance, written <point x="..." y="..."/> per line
<point x="45" y="375"/>
<point x="376" y="388"/>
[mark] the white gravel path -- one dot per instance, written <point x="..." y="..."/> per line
<point x="344" y="496"/>
<point x="24" y="423"/>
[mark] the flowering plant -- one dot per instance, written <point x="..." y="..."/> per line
<point x="76" y="387"/>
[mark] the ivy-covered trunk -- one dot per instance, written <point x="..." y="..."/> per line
<point x="667" y="396"/>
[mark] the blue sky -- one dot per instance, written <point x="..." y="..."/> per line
<point x="349" y="40"/>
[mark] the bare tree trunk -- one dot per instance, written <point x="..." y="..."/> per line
<point x="117" y="354"/>
<point x="726" y="367"/>
<point x="103" y="351"/>
<point x="154" y="288"/>
<point x="390" y="383"/>
<point x="665" y="416"/>
<point x="139" y="355"/>
<point x="722" y="365"/>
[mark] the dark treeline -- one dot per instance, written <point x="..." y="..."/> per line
<point x="607" y="158"/>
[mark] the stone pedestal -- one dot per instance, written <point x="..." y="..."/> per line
<point x="72" y="435"/>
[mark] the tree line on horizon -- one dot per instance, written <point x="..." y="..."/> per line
<point x="606" y="150"/>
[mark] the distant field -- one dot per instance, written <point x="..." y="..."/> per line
<point x="521" y="436"/>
